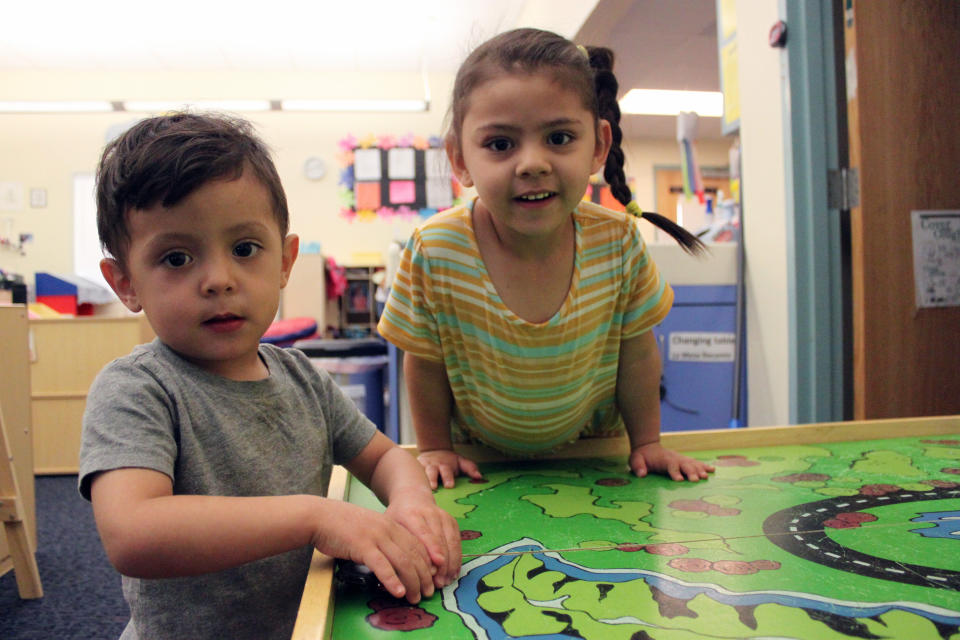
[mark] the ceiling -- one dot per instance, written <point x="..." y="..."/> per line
<point x="659" y="44"/>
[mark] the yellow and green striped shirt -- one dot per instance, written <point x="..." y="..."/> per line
<point x="523" y="387"/>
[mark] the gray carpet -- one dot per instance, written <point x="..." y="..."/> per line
<point x="82" y="598"/>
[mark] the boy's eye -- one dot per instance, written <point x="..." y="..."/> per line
<point x="559" y="138"/>
<point x="246" y="249"/>
<point x="498" y="144"/>
<point x="176" y="259"/>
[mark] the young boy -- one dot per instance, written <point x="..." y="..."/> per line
<point x="206" y="454"/>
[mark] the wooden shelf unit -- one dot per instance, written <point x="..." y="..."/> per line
<point x="68" y="353"/>
<point x="15" y="403"/>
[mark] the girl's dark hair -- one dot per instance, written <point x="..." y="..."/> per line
<point x="588" y="72"/>
<point x="163" y="159"/>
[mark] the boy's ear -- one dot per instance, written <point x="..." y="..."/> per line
<point x="120" y="282"/>
<point x="456" y="162"/>
<point x="291" y="249"/>
<point x="604" y="142"/>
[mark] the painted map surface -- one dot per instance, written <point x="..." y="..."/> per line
<point x="840" y="540"/>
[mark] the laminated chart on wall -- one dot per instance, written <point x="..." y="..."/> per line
<point x="386" y="176"/>
<point x="936" y="258"/>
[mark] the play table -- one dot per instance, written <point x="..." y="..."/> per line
<point x="840" y="530"/>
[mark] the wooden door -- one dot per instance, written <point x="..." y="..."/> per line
<point x="902" y="62"/>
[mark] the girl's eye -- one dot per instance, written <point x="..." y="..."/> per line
<point x="559" y="138"/>
<point x="176" y="259"/>
<point x="246" y="249"/>
<point x="499" y="145"/>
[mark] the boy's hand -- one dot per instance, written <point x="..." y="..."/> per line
<point x="654" y="457"/>
<point x="447" y="465"/>
<point x="436" y="529"/>
<point x="398" y="559"/>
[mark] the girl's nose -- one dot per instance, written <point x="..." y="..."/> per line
<point x="532" y="162"/>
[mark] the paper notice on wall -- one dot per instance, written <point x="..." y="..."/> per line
<point x="936" y="258"/>
<point x="701" y="346"/>
<point x="11" y="196"/>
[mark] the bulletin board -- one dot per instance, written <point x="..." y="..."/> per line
<point x="384" y="177"/>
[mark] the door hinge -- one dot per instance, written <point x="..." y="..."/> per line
<point x="843" y="188"/>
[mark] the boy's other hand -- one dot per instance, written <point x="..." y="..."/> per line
<point x="654" y="457"/>
<point x="447" y="465"/>
<point x="399" y="560"/>
<point x="436" y="529"/>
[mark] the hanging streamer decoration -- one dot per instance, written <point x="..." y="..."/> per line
<point x="689" y="168"/>
<point x="388" y="177"/>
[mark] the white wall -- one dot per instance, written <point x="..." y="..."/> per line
<point x="764" y="213"/>
<point x="47" y="150"/>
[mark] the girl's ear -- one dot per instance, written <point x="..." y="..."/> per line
<point x="604" y="142"/>
<point x="120" y="282"/>
<point x="456" y="162"/>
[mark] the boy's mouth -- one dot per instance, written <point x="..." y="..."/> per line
<point x="223" y="322"/>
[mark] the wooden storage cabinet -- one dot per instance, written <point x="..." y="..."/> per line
<point x="68" y="354"/>
<point x="15" y="402"/>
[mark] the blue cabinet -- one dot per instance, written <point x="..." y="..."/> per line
<point x="697" y="347"/>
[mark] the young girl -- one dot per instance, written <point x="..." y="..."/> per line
<point x="526" y="315"/>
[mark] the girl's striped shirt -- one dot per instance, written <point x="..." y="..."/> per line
<point x="523" y="387"/>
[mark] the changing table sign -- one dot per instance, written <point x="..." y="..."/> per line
<point x="700" y="346"/>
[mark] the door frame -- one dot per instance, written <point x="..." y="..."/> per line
<point x="818" y="247"/>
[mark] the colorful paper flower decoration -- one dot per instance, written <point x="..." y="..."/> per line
<point x="400" y="182"/>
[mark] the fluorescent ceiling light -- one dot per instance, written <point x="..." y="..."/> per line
<point x="55" y="106"/>
<point x="658" y="102"/>
<point x="354" y="105"/>
<point x="155" y="106"/>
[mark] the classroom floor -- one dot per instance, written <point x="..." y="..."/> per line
<point x="841" y="540"/>
<point x="81" y="599"/>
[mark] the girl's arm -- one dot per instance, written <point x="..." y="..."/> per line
<point x="638" y="398"/>
<point x="431" y="405"/>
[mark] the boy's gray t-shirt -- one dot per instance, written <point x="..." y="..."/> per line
<point x="213" y="436"/>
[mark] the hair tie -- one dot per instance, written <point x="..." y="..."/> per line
<point x="584" y="51"/>
<point x="634" y="209"/>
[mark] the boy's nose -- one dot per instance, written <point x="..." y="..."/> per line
<point x="218" y="277"/>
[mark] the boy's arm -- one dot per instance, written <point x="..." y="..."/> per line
<point x="399" y="482"/>
<point x="148" y="532"/>
<point x="638" y="398"/>
<point x="431" y="404"/>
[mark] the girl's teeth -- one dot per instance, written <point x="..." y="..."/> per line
<point x="539" y="196"/>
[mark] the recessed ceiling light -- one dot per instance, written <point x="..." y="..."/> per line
<point x="354" y="105"/>
<point x="660" y="102"/>
<point x="55" y="106"/>
<point x="156" y="106"/>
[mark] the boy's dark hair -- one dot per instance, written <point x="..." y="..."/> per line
<point x="586" y="71"/>
<point x="163" y="159"/>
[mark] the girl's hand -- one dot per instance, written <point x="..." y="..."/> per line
<point x="436" y="529"/>
<point x="654" y="457"/>
<point x="447" y="465"/>
<point x="398" y="559"/>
